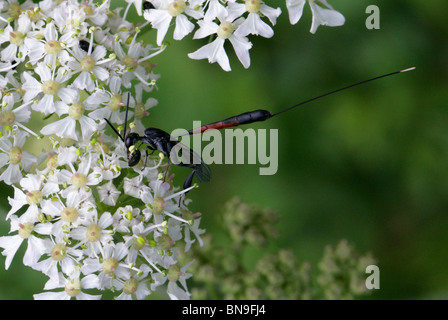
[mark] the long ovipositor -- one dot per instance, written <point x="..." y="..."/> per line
<point x="261" y="115"/>
<point x="244" y="118"/>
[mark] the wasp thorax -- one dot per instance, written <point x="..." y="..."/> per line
<point x="76" y="110"/>
<point x="177" y="7"/>
<point x="253" y="6"/>
<point x="53" y="47"/>
<point x="115" y="102"/>
<point x="225" y="30"/>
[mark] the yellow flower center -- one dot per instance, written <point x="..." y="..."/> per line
<point x="69" y="214"/>
<point x="177" y="7"/>
<point x="58" y="252"/>
<point x="76" y="110"/>
<point x="73" y="287"/>
<point x="115" y="102"/>
<point x="34" y="197"/>
<point x="51" y="87"/>
<point x="25" y="229"/>
<point x="253" y="6"/>
<point x="79" y="180"/>
<point x="130" y="286"/>
<point x="87" y="63"/>
<point x="15" y="155"/>
<point x="225" y="30"/>
<point x="110" y="265"/>
<point x="53" y="47"/>
<point x="7" y="117"/>
<point x="93" y="233"/>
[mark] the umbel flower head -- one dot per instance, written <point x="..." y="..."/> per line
<point x="67" y="65"/>
<point x="88" y="220"/>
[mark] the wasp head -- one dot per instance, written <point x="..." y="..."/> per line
<point x="134" y="156"/>
<point x="131" y="139"/>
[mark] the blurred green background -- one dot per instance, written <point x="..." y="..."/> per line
<point x="367" y="165"/>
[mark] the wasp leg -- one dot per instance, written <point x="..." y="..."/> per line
<point x="148" y="154"/>
<point x="187" y="184"/>
<point x="166" y="171"/>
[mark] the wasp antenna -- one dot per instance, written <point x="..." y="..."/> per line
<point x="344" y="88"/>
<point x="126" y="115"/>
<point x="115" y="130"/>
<point x="408" y="69"/>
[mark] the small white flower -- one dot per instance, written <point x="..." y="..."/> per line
<point x="112" y="102"/>
<point x="73" y="212"/>
<point x="51" y="47"/>
<point x="59" y="254"/>
<point x="36" y="190"/>
<point x="135" y="285"/>
<point x="14" y="158"/>
<point x="215" y="10"/>
<point x="79" y="179"/>
<point x="214" y="51"/>
<point x="93" y="232"/>
<point x="11" y="244"/>
<point x="253" y="23"/>
<point x="89" y="66"/>
<point x="51" y="84"/>
<point x="108" y="194"/>
<point x="72" y="288"/>
<point x="16" y="48"/>
<point x="11" y="116"/>
<point x="66" y="127"/>
<point x="165" y="11"/>
<point x="111" y="268"/>
<point x="323" y="13"/>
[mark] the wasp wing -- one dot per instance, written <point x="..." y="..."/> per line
<point x="184" y="156"/>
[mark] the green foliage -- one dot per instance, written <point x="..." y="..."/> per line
<point x="220" y="272"/>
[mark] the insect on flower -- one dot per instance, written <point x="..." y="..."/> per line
<point x="157" y="139"/>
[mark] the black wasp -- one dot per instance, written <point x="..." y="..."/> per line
<point x="157" y="139"/>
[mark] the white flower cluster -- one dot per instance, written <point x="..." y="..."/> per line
<point x="230" y="20"/>
<point x="87" y="219"/>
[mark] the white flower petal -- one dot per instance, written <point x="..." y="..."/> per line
<point x="214" y="52"/>
<point x="241" y="46"/>
<point x="295" y="10"/>
<point x="64" y="128"/>
<point x="325" y="17"/>
<point x="183" y="27"/>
